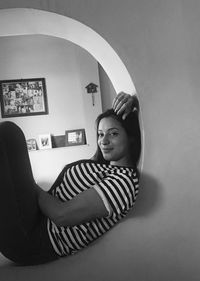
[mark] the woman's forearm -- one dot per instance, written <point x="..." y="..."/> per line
<point x="82" y="208"/>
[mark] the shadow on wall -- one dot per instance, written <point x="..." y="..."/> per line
<point x="149" y="197"/>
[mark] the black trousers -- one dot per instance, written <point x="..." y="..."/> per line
<point x="23" y="233"/>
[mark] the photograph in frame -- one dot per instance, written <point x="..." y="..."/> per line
<point x="75" y="137"/>
<point x="31" y="144"/>
<point x="45" y="141"/>
<point x="23" y="97"/>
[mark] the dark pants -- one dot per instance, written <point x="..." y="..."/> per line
<point x="23" y="232"/>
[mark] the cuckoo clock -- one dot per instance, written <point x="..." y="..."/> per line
<point x="91" y="89"/>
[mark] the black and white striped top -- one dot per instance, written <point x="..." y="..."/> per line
<point x="118" y="188"/>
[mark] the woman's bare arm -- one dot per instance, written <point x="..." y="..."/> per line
<point x="85" y="207"/>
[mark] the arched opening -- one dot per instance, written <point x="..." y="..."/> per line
<point x="23" y="21"/>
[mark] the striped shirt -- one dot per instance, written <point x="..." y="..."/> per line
<point x="118" y="188"/>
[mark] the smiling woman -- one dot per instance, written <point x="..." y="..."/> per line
<point x="113" y="142"/>
<point x="87" y="199"/>
<point x="119" y="140"/>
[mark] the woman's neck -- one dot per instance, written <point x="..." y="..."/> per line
<point x="122" y="162"/>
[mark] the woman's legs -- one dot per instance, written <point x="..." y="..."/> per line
<point x="20" y="217"/>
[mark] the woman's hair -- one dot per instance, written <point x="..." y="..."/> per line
<point x="132" y="128"/>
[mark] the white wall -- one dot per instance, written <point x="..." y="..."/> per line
<point x="67" y="69"/>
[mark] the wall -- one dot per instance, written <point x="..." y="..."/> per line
<point x="107" y="91"/>
<point x="159" y="43"/>
<point x="61" y="63"/>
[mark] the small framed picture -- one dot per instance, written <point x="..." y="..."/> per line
<point x="31" y="144"/>
<point x="58" y="141"/>
<point x="75" y="137"/>
<point x="45" y="141"/>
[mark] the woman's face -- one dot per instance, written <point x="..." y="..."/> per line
<point x="113" y="142"/>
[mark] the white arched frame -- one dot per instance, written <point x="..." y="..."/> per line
<point x="24" y="21"/>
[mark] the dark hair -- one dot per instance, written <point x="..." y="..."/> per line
<point x="132" y="128"/>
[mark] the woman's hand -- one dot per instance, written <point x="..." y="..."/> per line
<point x="125" y="103"/>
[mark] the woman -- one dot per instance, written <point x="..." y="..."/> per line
<point x="87" y="199"/>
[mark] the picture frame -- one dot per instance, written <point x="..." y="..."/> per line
<point x="31" y="144"/>
<point x="58" y="141"/>
<point x="75" y="137"/>
<point x="44" y="141"/>
<point x="23" y="97"/>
